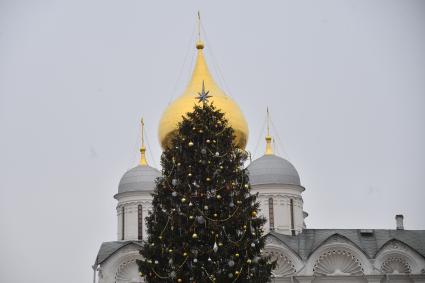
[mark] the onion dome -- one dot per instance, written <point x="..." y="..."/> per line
<point x="201" y="77"/>
<point x="272" y="169"/>
<point x="141" y="177"/>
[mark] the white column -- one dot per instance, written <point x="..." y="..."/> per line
<point x="298" y="215"/>
<point x="282" y="215"/>
<point x="131" y="222"/>
<point x="119" y="223"/>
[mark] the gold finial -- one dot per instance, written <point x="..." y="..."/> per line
<point x="269" y="149"/>
<point x="143" y="161"/>
<point x="199" y="43"/>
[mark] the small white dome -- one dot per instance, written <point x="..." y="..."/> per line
<point x="139" y="178"/>
<point x="272" y="169"/>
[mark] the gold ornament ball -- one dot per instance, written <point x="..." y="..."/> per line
<point x="190" y="143"/>
<point x="184" y="254"/>
<point x="220" y="244"/>
<point x="170" y="250"/>
<point x="215" y="214"/>
<point x="183" y="200"/>
<point x="195" y="236"/>
<point x="236" y="255"/>
<point x="191" y="217"/>
<point x="254" y="214"/>
<point x="236" y="272"/>
<point x="248" y="261"/>
<point x="208" y="179"/>
<point x="218" y="196"/>
<point x="246" y="186"/>
<point x="190" y="174"/>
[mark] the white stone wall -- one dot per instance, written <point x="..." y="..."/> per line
<point x="121" y="267"/>
<point x="339" y="260"/>
<point x="282" y="195"/>
<point x="130" y="201"/>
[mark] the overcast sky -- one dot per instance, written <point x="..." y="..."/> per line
<point x="344" y="81"/>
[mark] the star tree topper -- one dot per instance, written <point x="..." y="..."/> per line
<point x="203" y="96"/>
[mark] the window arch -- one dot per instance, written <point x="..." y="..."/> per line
<point x="337" y="255"/>
<point x="395" y="257"/>
<point x="284" y="263"/>
<point x="140" y="222"/>
<point x="338" y="261"/>
<point x="271" y="214"/>
<point x="122" y="222"/>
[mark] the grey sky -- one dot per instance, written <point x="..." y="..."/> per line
<point x="344" y="80"/>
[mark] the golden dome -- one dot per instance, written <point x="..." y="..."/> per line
<point x="183" y="104"/>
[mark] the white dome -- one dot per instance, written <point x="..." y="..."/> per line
<point x="272" y="169"/>
<point x="139" y="178"/>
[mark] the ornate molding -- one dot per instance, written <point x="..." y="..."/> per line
<point x="396" y="257"/>
<point x="127" y="272"/>
<point x="288" y="263"/>
<point x="396" y="265"/>
<point x="338" y="262"/>
<point x="284" y="265"/>
<point x="134" y="203"/>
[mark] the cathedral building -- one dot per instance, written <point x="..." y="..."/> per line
<point x="303" y="254"/>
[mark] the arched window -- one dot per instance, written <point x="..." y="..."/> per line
<point x="122" y="221"/>
<point x="271" y="214"/>
<point x="292" y="217"/>
<point x="140" y="221"/>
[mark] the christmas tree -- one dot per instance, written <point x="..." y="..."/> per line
<point x="204" y="225"/>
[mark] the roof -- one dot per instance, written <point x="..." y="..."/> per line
<point x="139" y="178"/>
<point x="305" y="243"/>
<point x="272" y="169"/>
<point x="107" y="249"/>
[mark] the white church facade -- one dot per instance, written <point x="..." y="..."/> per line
<point x="303" y="255"/>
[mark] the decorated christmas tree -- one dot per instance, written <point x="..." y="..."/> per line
<point x="204" y="225"/>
